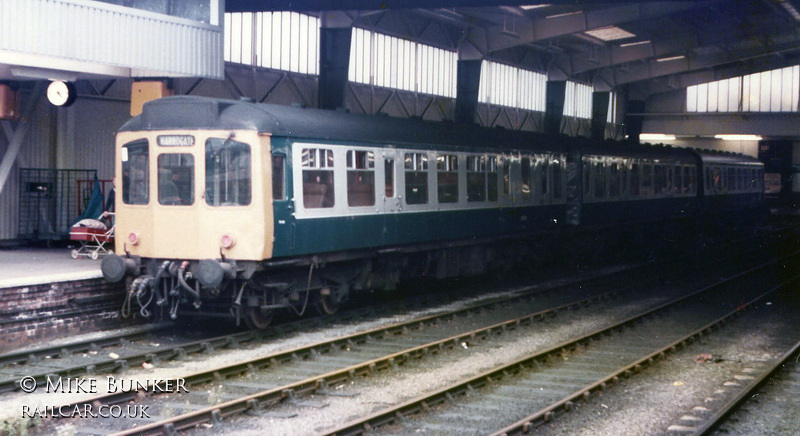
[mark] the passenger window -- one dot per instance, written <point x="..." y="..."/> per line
<point x="623" y="175"/>
<point x="447" y="178"/>
<point x="613" y="180"/>
<point x="715" y="180"/>
<point x="525" y="169"/>
<point x="542" y="162"/>
<point x="647" y="180"/>
<point x="416" y="172"/>
<point x="318" y="187"/>
<point x="731" y="180"/>
<point x="599" y="179"/>
<point x="587" y="188"/>
<point x="360" y="178"/>
<point x="476" y="178"/>
<point x="635" y="180"/>
<point x="492" y="174"/>
<point x="227" y="172"/>
<point x="742" y="179"/>
<point x="558" y="177"/>
<point x="506" y="176"/>
<point x="176" y="179"/>
<point x="278" y="177"/>
<point x="659" y="181"/>
<point x="135" y="172"/>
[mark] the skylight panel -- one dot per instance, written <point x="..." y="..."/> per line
<point x="610" y="33"/>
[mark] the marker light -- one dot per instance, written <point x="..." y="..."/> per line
<point x="226" y="241"/>
<point x="133" y="238"/>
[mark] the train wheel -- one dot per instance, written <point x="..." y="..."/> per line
<point x="330" y="299"/>
<point x="255" y="318"/>
<point x="326" y="306"/>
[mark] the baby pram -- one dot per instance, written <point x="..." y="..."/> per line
<point x="95" y="236"/>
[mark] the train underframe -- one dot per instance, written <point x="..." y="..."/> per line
<point x="252" y="293"/>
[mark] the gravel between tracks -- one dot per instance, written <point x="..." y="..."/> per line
<point x="425" y="377"/>
<point x="11" y="404"/>
<point x="658" y="397"/>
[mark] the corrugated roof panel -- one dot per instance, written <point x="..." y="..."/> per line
<point x="125" y="41"/>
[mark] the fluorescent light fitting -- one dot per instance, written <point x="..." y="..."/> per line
<point x="656" y="137"/>
<point x="671" y="58"/>
<point x="610" y="33"/>
<point x="739" y="137"/>
<point x="529" y="7"/>
<point x="790" y="9"/>
<point x="631" y="44"/>
<point x="566" y="14"/>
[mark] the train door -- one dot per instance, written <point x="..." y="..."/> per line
<point x="389" y="189"/>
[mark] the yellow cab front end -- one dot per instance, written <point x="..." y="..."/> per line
<point x="193" y="195"/>
<point x="193" y="218"/>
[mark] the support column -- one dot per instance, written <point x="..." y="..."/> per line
<point x="600" y="101"/>
<point x="633" y="123"/>
<point x="334" y="59"/>
<point x="15" y="140"/>
<point x="467" y="86"/>
<point x="554" y="107"/>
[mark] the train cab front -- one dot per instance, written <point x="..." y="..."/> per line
<point x="192" y="217"/>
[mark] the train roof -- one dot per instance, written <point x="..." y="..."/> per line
<point x="206" y="113"/>
<point x="726" y="158"/>
<point x="633" y="150"/>
<point x="190" y="112"/>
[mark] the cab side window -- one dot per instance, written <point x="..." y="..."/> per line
<point x="135" y="172"/>
<point x="278" y="177"/>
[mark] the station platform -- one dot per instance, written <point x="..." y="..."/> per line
<point x="46" y="294"/>
<point x="38" y="266"/>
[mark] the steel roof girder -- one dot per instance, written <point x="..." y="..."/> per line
<point x="691" y="78"/>
<point x="547" y="28"/>
<point x="616" y="55"/>
<point x="654" y="69"/>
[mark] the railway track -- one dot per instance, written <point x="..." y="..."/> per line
<point x="289" y="379"/>
<point x="565" y="374"/>
<point x="159" y="344"/>
<point x="766" y="405"/>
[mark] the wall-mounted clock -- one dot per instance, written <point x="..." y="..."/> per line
<point x="61" y="93"/>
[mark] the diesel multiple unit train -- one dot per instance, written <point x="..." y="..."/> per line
<point x="238" y="210"/>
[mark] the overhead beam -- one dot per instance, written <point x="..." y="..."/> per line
<point x="371" y="5"/>
<point x="541" y="29"/>
<point x="653" y="69"/>
<point x="680" y="81"/>
<point x="722" y="35"/>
